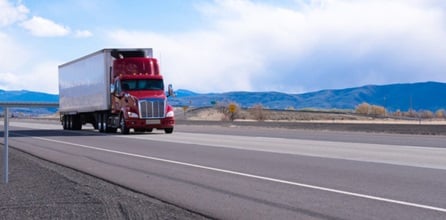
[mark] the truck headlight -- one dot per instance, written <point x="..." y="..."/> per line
<point x="132" y="115"/>
<point x="170" y="114"/>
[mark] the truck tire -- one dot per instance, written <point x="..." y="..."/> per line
<point x="100" y="123"/>
<point x="76" y="123"/>
<point x="168" y="130"/>
<point x="110" y="130"/>
<point x="65" y="122"/>
<point x="69" y="122"/>
<point x="123" y="127"/>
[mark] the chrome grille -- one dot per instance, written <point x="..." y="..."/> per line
<point x="152" y="108"/>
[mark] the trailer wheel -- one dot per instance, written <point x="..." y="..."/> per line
<point x="110" y="130"/>
<point x="76" y="122"/>
<point x="124" y="128"/>
<point x="100" y="124"/>
<point x="64" y="122"/>
<point x="168" y="130"/>
<point x="69" y="122"/>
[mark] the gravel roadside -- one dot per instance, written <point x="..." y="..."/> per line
<point x="39" y="189"/>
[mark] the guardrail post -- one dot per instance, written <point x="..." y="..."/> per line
<point x="7" y="105"/>
<point x="5" y="147"/>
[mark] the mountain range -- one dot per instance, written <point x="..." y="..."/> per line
<point x="417" y="96"/>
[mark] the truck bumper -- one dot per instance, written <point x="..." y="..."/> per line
<point x="150" y="123"/>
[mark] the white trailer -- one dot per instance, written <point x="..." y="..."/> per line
<point x="84" y="83"/>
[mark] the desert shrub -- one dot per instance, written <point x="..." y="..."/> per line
<point x="440" y="113"/>
<point x="398" y="113"/>
<point x="258" y="112"/>
<point x="367" y="109"/>
<point x="426" y="114"/>
<point x="378" y="110"/>
<point x="411" y="113"/>
<point x="363" y="108"/>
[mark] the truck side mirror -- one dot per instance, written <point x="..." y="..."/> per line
<point x="170" y="91"/>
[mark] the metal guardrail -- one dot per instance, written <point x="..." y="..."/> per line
<point x="6" y="106"/>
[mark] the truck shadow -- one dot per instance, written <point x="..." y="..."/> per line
<point x="64" y="133"/>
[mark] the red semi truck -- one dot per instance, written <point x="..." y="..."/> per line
<point x="115" y="89"/>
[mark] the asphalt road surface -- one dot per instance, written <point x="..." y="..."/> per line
<point x="260" y="173"/>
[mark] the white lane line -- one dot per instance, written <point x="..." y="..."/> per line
<point x="253" y="176"/>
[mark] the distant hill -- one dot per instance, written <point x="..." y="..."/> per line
<point x="28" y="96"/>
<point x="181" y="93"/>
<point x="418" y="96"/>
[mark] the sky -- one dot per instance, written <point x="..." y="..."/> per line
<point x="291" y="46"/>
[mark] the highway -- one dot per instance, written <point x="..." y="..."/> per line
<point x="232" y="172"/>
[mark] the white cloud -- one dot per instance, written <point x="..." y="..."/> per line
<point x="13" y="54"/>
<point x="42" y="27"/>
<point x="316" y="45"/>
<point x="7" y="80"/>
<point x="198" y="59"/>
<point x="42" y="77"/>
<point x="18" y="71"/>
<point x="11" y="13"/>
<point x="83" y="34"/>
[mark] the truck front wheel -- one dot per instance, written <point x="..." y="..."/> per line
<point x="168" y="130"/>
<point x="123" y="127"/>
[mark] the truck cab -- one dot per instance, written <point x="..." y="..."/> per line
<point x="138" y="96"/>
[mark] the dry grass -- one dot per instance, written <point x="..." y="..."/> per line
<point x="212" y="114"/>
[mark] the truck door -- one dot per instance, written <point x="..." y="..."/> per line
<point x="116" y="97"/>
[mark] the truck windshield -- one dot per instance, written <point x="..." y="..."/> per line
<point x="142" y="84"/>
